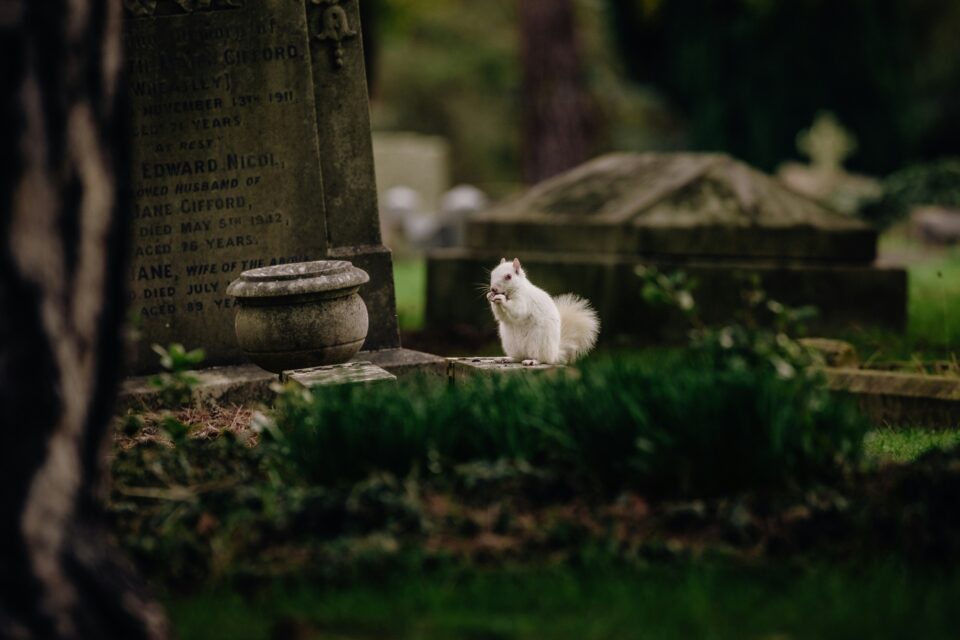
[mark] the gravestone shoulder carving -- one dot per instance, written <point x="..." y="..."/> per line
<point x="333" y="26"/>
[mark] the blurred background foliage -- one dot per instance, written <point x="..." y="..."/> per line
<point x="741" y="76"/>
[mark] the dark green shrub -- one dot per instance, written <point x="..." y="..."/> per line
<point x="683" y="425"/>
<point x="933" y="183"/>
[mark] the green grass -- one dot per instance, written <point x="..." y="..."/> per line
<point x="933" y="317"/>
<point x="410" y="281"/>
<point x="705" y="600"/>
<point x="905" y="445"/>
<point x="935" y="304"/>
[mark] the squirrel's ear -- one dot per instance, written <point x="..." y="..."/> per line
<point x="516" y="265"/>
<point x="502" y="260"/>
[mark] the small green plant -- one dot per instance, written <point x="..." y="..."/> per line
<point x="763" y="335"/>
<point x="672" y="290"/>
<point x="176" y="382"/>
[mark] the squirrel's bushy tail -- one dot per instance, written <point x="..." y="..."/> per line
<point x="579" y="327"/>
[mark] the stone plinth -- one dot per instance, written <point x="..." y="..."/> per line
<point x="249" y="385"/>
<point x="337" y="374"/>
<point x="901" y="399"/>
<point x="461" y="369"/>
<point x="835" y="353"/>
<point x="246" y="385"/>
<point x="706" y="214"/>
<point x="405" y="363"/>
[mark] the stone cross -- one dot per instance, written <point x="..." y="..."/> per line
<point x="827" y="143"/>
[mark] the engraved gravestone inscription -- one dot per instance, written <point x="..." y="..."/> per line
<point x="226" y="169"/>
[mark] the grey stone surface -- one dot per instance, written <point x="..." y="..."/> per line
<point x="251" y="149"/>
<point x="686" y="205"/>
<point x="245" y="385"/>
<point x="301" y="315"/>
<point x="717" y="219"/>
<point x="249" y="385"/>
<point x="296" y="280"/>
<point x="835" y="353"/>
<point x="346" y="160"/>
<point x="419" y="162"/>
<point x="461" y="369"/>
<point x="901" y="399"/>
<point x="936" y="225"/>
<point x="405" y="363"/>
<point x="349" y="373"/>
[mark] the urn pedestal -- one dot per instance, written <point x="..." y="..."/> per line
<point x="301" y="315"/>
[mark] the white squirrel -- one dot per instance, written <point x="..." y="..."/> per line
<point x="535" y="328"/>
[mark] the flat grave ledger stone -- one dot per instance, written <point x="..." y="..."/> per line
<point x="337" y="374"/>
<point x="718" y="220"/>
<point x="242" y="115"/>
<point x="463" y="369"/>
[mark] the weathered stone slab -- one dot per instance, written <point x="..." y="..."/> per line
<point x="251" y="148"/>
<point x="415" y="161"/>
<point x="835" y="353"/>
<point x="249" y="385"/>
<point x="405" y="363"/>
<point x="462" y="369"/>
<point x="715" y="218"/>
<point x="663" y="206"/>
<point x="901" y="399"/>
<point x="337" y="374"/>
<point x="246" y="385"/>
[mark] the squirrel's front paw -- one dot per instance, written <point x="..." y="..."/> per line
<point x="498" y="299"/>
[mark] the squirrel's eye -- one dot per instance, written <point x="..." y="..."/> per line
<point x="509" y="276"/>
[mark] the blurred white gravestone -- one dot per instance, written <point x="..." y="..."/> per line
<point x="415" y="161"/>
<point x="828" y="145"/>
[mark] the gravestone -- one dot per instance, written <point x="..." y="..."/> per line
<point x="252" y="147"/>
<point x="338" y="374"/>
<point x="412" y="160"/>
<point x="828" y="145"/>
<point x="719" y="220"/>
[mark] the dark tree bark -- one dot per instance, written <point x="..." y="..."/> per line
<point x="61" y="304"/>
<point x="559" y="121"/>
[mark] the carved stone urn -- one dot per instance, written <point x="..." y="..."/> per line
<point x="306" y="314"/>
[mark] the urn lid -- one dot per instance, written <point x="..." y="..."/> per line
<point x="297" y="279"/>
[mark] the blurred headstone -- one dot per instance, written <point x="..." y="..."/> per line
<point x="828" y="145"/>
<point x="415" y="161"/>
<point x="717" y="219"/>
<point x="397" y="205"/>
<point x="936" y="225"/>
<point x="456" y="208"/>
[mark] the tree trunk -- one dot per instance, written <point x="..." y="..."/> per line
<point x="62" y="276"/>
<point x="558" y="117"/>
